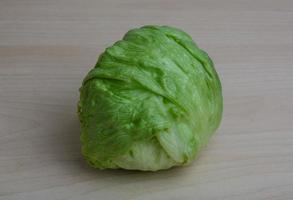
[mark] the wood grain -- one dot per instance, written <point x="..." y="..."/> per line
<point x="47" y="47"/>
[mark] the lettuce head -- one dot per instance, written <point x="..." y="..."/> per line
<point x="151" y="102"/>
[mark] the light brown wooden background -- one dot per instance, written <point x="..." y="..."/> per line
<point x="47" y="47"/>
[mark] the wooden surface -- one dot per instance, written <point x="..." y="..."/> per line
<point x="47" y="47"/>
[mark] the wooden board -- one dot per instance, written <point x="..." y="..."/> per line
<point x="47" y="47"/>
